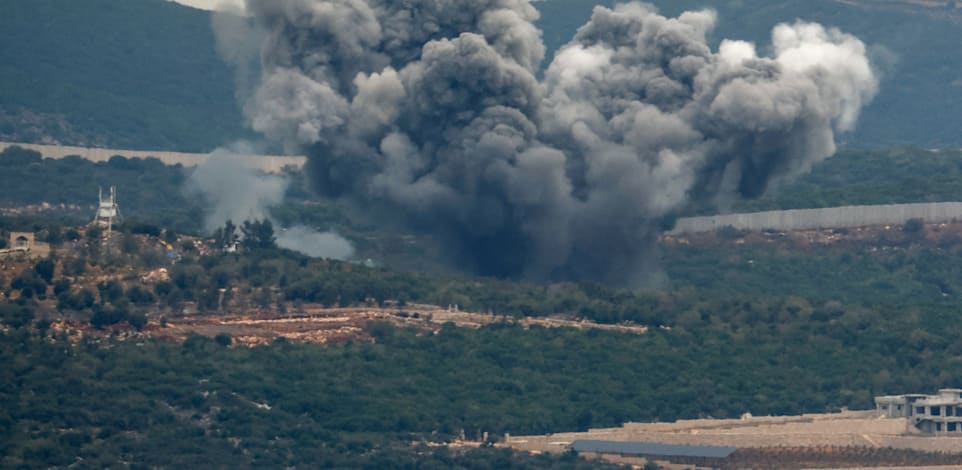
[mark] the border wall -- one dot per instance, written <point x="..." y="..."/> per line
<point x="268" y="163"/>
<point x="826" y="218"/>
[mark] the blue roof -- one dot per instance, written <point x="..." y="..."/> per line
<point x="651" y="449"/>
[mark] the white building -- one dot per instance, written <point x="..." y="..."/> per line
<point x="931" y="414"/>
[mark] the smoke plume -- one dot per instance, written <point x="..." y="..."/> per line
<point x="238" y="44"/>
<point x="433" y="109"/>
<point x="235" y="189"/>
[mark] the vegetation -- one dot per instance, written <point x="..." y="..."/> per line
<point x="767" y="329"/>
<point x="145" y="73"/>
<point x="911" y="274"/>
<point x="864" y="177"/>
<point x="365" y="401"/>
<point x="771" y="328"/>
<point x="200" y="403"/>
<point x="148" y="190"/>
<point x="141" y="74"/>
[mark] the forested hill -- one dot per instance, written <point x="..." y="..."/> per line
<point x="144" y="74"/>
<point x="916" y="43"/>
<point x="140" y="74"/>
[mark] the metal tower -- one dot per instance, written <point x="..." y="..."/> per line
<point x="107" y="211"/>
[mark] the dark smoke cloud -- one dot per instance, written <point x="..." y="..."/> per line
<point x="432" y="109"/>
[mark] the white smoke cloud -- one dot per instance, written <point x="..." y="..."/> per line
<point x="236" y="190"/>
<point x="315" y="244"/>
<point x="232" y="187"/>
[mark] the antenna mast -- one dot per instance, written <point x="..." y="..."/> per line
<point x="107" y="211"/>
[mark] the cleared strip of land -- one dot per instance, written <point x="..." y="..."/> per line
<point x="313" y="323"/>
<point x="268" y="163"/>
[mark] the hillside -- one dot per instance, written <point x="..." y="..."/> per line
<point x="129" y="74"/>
<point x="767" y="323"/>
<point x="900" y="175"/>
<point x="768" y="328"/>
<point x="144" y="74"/>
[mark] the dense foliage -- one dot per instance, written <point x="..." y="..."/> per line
<point x="771" y="328"/>
<point x="140" y="74"/>
<point x="893" y="176"/>
<point x="147" y="189"/>
<point x="201" y="405"/>
<point x="290" y="404"/>
<point x="767" y="329"/>
<point x="910" y="274"/>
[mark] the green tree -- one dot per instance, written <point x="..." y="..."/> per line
<point x="129" y="243"/>
<point x="223" y="339"/>
<point x="61" y="286"/>
<point x="140" y="296"/>
<point x="45" y="269"/>
<point x="137" y="320"/>
<point x="106" y="316"/>
<point x="15" y="315"/>
<point x="227" y="235"/>
<point x="258" y="235"/>
<point x="913" y="226"/>
<point x="110" y="291"/>
<point x="30" y="284"/>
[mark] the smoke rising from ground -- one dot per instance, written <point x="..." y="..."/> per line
<point x="235" y="190"/>
<point x="432" y="108"/>
<point x="315" y="244"/>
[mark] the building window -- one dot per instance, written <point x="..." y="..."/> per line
<point x="920" y="410"/>
<point x="936" y="410"/>
<point x="950" y="427"/>
<point x="938" y="427"/>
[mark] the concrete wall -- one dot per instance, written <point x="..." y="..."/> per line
<point x="827" y="218"/>
<point x="268" y="163"/>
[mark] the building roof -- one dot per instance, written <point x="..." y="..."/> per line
<point x="651" y="449"/>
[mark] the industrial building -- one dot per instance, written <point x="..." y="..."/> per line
<point x="939" y="414"/>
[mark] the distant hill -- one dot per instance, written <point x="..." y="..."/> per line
<point x="140" y="74"/>
<point x="144" y="74"/>
<point x="921" y="97"/>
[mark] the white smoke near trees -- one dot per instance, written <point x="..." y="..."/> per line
<point x="235" y="189"/>
<point x="433" y="109"/>
<point x="315" y="244"/>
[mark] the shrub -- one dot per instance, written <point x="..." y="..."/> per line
<point x="913" y="226"/>
<point x="223" y="339"/>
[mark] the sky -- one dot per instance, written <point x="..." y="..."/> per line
<point x="210" y="4"/>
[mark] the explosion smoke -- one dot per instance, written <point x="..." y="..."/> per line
<point x="237" y="191"/>
<point x="432" y="108"/>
